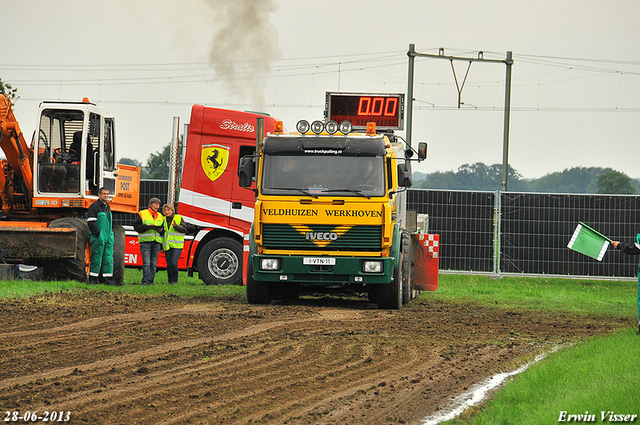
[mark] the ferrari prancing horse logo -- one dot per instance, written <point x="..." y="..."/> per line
<point x="214" y="160"/>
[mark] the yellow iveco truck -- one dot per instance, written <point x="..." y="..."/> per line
<point x="330" y="212"/>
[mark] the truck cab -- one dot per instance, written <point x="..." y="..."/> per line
<point x="329" y="214"/>
<point x="75" y="150"/>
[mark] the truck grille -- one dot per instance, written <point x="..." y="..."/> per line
<point x="293" y="237"/>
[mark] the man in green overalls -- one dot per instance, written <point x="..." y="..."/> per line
<point x="99" y="220"/>
<point x="632" y="249"/>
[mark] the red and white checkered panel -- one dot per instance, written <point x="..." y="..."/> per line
<point x="432" y="243"/>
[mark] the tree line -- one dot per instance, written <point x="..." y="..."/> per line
<point x="157" y="165"/>
<point x="476" y="176"/>
<point x="479" y="176"/>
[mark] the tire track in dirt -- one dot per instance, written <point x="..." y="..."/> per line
<point x="343" y="385"/>
<point x="256" y="384"/>
<point x="154" y="382"/>
<point x="138" y="386"/>
<point x="95" y="322"/>
<point x="129" y="360"/>
<point x="257" y="374"/>
<point x="178" y="378"/>
<point x="130" y="328"/>
<point x="137" y="356"/>
<point x="312" y="362"/>
<point x="411" y="388"/>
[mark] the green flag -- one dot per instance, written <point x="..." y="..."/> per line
<point x="587" y="241"/>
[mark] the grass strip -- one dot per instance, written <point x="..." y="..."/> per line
<point x="597" y="379"/>
<point x="602" y="297"/>
<point x="188" y="287"/>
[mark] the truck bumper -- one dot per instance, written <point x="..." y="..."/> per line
<point x="32" y="243"/>
<point x="346" y="270"/>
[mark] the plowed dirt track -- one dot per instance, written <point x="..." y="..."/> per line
<point x="111" y="358"/>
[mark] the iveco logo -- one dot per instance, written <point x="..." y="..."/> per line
<point x="321" y="236"/>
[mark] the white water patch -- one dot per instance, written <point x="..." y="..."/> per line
<point x="479" y="392"/>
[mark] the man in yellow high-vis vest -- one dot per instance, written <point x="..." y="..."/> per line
<point x="150" y="227"/>
<point x="173" y="241"/>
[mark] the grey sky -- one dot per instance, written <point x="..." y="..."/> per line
<point x="576" y="72"/>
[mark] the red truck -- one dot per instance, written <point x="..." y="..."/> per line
<point x="210" y="197"/>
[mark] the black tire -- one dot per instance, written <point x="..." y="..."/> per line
<point x="220" y="262"/>
<point x="257" y="291"/>
<point x="118" y="254"/>
<point x="390" y="294"/>
<point x="70" y="268"/>
<point x="407" y="292"/>
<point x="372" y="294"/>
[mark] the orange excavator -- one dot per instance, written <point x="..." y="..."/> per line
<point x="46" y="188"/>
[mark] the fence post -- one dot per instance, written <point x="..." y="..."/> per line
<point x="497" y="220"/>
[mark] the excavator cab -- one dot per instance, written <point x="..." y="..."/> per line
<point x="47" y="188"/>
<point x="75" y="150"/>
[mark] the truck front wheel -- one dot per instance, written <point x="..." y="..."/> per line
<point x="257" y="291"/>
<point x="220" y="262"/>
<point x="390" y="294"/>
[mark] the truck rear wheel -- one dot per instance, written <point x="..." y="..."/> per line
<point x="220" y="262"/>
<point x="257" y="291"/>
<point x="118" y="254"/>
<point x="390" y="294"/>
<point x="71" y="268"/>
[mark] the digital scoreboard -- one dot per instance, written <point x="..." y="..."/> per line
<point x="386" y="110"/>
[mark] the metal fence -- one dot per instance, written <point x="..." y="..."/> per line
<point x="148" y="189"/>
<point x="527" y="233"/>
<point x="508" y="232"/>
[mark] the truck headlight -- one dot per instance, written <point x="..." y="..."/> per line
<point x="270" y="264"/>
<point x="372" y="267"/>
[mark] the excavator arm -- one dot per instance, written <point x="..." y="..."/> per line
<point x="19" y="155"/>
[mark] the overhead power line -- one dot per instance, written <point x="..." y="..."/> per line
<point x="383" y="67"/>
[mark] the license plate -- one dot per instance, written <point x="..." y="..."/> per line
<point x="319" y="261"/>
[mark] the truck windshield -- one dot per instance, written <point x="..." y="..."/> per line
<point x="323" y="175"/>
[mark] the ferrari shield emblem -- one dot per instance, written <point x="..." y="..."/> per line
<point x="214" y="160"/>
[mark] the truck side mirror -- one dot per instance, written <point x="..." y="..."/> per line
<point x="422" y="150"/>
<point x="246" y="171"/>
<point x="404" y="174"/>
